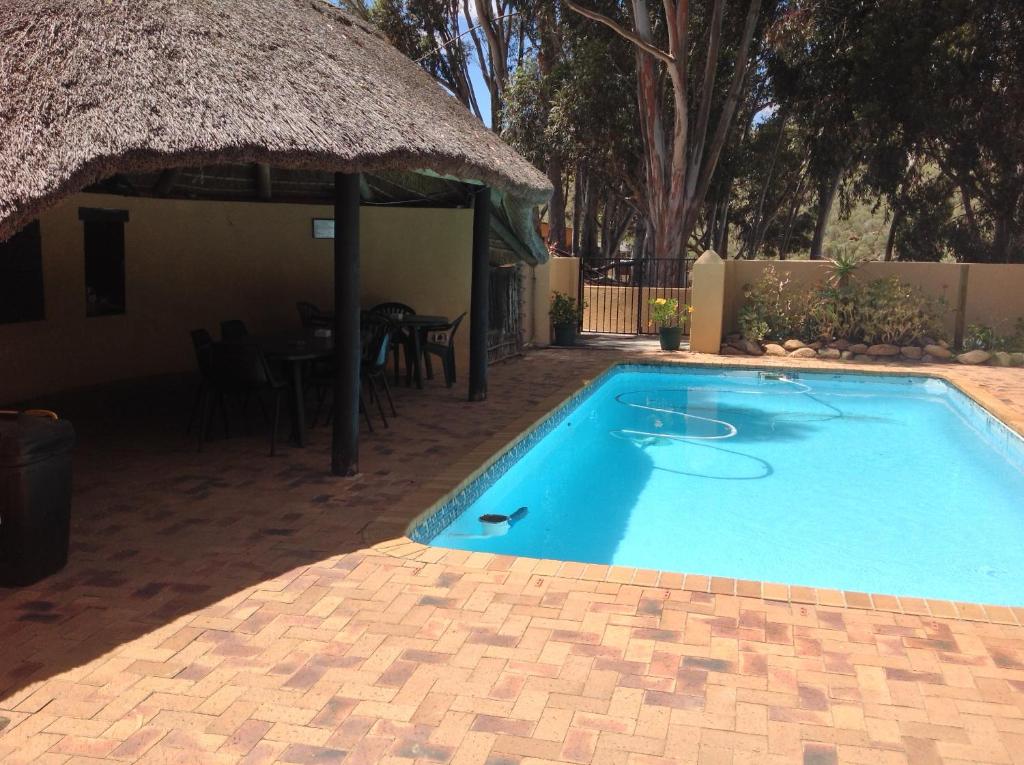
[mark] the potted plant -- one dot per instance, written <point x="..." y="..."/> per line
<point x="670" y="315"/>
<point x="566" y="314"/>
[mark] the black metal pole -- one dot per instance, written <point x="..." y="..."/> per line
<point x="479" y="311"/>
<point x="347" y="353"/>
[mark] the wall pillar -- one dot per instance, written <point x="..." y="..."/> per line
<point x="708" y="300"/>
<point x="347" y="340"/>
<point x="479" y="301"/>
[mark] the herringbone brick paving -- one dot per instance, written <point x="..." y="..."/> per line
<point x="225" y="608"/>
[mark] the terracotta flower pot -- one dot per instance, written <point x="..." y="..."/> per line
<point x="670" y="337"/>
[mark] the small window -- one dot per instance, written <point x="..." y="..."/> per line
<point x="104" y="261"/>
<point x="21" y="276"/>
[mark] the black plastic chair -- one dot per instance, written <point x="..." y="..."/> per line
<point x="441" y="343"/>
<point x="399" y="337"/>
<point x="312" y="317"/>
<point x="377" y="331"/>
<point x="240" y="369"/>
<point x="233" y="329"/>
<point x="202" y="342"/>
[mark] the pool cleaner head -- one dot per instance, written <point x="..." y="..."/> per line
<point x="495" y="525"/>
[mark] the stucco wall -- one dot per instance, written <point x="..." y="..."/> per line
<point x="191" y="264"/>
<point x="995" y="292"/>
<point x="557" y="275"/>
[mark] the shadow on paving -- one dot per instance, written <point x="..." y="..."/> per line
<point x="160" y="531"/>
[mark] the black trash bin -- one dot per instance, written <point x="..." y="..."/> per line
<point x="35" y="496"/>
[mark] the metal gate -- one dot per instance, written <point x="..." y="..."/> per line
<point x="617" y="293"/>
<point x="504" y="334"/>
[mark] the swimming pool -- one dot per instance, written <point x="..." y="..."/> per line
<point x="873" y="483"/>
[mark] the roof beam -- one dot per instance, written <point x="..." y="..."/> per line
<point x="165" y="183"/>
<point x="264" y="188"/>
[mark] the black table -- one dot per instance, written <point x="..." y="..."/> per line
<point x="418" y="325"/>
<point x="294" y="350"/>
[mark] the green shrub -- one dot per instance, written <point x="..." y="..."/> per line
<point x="565" y="309"/>
<point x="983" y="337"/>
<point x="835" y="313"/>
<point x="772" y="310"/>
<point x="894" y="312"/>
<point x="882" y="311"/>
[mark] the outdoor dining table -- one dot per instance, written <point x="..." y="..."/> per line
<point x="294" y="350"/>
<point x="418" y="325"/>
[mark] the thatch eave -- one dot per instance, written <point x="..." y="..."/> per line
<point x="95" y="88"/>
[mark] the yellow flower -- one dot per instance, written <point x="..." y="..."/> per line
<point x="660" y="301"/>
<point x="689" y="309"/>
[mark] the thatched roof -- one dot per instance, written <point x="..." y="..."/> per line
<point x="93" y="88"/>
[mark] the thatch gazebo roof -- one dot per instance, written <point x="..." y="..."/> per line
<point x="94" y="88"/>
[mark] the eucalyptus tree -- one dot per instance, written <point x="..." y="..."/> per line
<point x="678" y="95"/>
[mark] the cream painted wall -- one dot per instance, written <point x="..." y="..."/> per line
<point x="191" y="264"/>
<point x="557" y="275"/>
<point x="423" y="258"/>
<point x="995" y="292"/>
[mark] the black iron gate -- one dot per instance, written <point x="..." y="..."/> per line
<point x="504" y="334"/>
<point x="617" y="293"/>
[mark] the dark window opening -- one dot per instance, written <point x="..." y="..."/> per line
<point x="21" y="276"/>
<point x="104" y="261"/>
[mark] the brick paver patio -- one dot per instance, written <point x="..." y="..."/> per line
<point x="226" y="607"/>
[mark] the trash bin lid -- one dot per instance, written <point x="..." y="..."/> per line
<point x="25" y="439"/>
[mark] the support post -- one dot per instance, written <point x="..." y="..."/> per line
<point x="347" y="345"/>
<point x="707" y="296"/>
<point x="479" y="310"/>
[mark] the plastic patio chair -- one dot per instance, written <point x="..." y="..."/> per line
<point x="233" y="329"/>
<point x="377" y="331"/>
<point x="311" y="316"/>
<point x="240" y="369"/>
<point x="441" y="343"/>
<point x="400" y="339"/>
<point x="202" y="342"/>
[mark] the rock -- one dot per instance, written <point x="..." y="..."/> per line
<point x="883" y="349"/>
<point x="733" y="337"/>
<point x="858" y="348"/>
<point x="1001" y="359"/>
<point x="840" y="345"/>
<point x="803" y="353"/>
<point x="774" y="349"/>
<point x="752" y="348"/>
<point x="943" y="343"/>
<point x="862" y="357"/>
<point x="846" y="355"/>
<point x="938" y="351"/>
<point x="792" y="345"/>
<point x="928" y="341"/>
<point x="1017" y="359"/>
<point x="738" y="345"/>
<point x="974" y="357"/>
<point x="728" y="350"/>
<point x="911" y="352"/>
<point x="816" y="345"/>
<point x="929" y="359"/>
<point x="829" y="353"/>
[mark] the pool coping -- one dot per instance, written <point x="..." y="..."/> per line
<point x="457" y="476"/>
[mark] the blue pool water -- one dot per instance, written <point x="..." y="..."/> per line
<point x="879" y="484"/>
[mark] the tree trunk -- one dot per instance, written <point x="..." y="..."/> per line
<point x="640" y="239"/>
<point x="556" y="205"/>
<point x="1001" y="238"/>
<point x="890" y="240"/>
<point x="720" y="244"/>
<point x="760" y="224"/>
<point x="826" y="197"/>
<point x="588" y="236"/>
<point x="577" y="207"/>
<point x="546" y="60"/>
